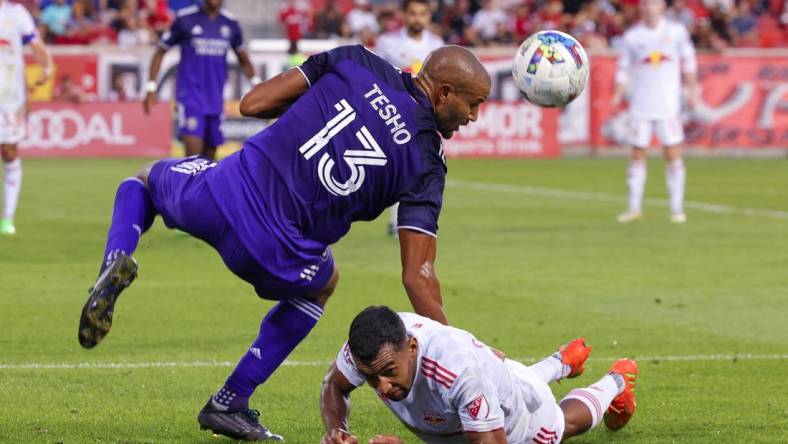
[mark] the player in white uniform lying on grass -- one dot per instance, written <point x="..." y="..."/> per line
<point x="448" y="387"/>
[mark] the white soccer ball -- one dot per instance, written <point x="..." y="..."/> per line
<point x="550" y="68"/>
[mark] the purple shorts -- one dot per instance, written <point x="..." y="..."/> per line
<point x="179" y="191"/>
<point x="192" y="122"/>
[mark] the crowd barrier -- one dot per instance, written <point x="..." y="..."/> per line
<point x="744" y="105"/>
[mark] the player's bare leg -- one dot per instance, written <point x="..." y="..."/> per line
<point x="611" y="398"/>
<point x="12" y="185"/>
<point x="132" y="215"/>
<point x="675" y="178"/>
<point x="636" y="184"/>
<point x="284" y="327"/>
<point x="194" y="146"/>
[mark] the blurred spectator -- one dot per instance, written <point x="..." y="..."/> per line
<point x="123" y="88"/>
<point x="457" y="22"/>
<point x="743" y="25"/>
<point x="361" y="19"/>
<point x="156" y="14"/>
<point x="295" y="20"/>
<point x="552" y="15"/>
<point x="56" y="17"/>
<point x="489" y="23"/>
<point x="522" y="23"/>
<point x="680" y="12"/>
<point x="329" y="22"/>
<point x="131" y="30"/>
<point x="68" y="91"/>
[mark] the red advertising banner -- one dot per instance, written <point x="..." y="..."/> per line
<point x="507" y="129"/>
<point x="74" y="75"/>
<point x="97" y="130"/>
<point x="743" y="102"/>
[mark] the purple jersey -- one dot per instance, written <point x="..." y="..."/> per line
<point x="202" y="71"/>
<point x="360" y="139"/>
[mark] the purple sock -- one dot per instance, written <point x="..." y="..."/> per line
<point x="132" y="215"/>
<point x="283" y="328"/>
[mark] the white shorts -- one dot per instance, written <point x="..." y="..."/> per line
<point x="669" y="131"/>
<point x="546" y="425"/>
<point x="12" y="127"/>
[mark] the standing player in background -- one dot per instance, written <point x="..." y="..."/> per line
<point x="204" y="34"/>
<point x="654" y="54"/>
<point x="16" y="30"/>
<point x="406" y="49"/>
<point x="353" y="136"/>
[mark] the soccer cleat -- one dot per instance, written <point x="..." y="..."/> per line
<point x="629" y="216"/>
<point x="678" y="218"/>
<point x="623" y="406"/>
<point x="574" y="354"/>
<point x="7" y="227"/>
<point x="242" y="425"/>
<point x="96" y="318"/>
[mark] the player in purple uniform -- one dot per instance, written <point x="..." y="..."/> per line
<point x="204" y="34"/>
<point x="354" y="135"/>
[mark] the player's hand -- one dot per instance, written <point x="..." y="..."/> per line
<point x="386" y="439"/>
<point x="616" y="102"/>
<point x="692" y="102"/>
<point x="43" y="77"/>
<point x="338" y="436"/>
<point x="147" y="103"/>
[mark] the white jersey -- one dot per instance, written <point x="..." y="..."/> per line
<point x="652" y="59"/>
<point x="16" y="30"/>
<point x="460" y="385"/>
<point x="405" y="52"/>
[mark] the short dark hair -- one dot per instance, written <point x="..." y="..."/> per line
<point x="406" y="3"/>
<point x="373" y="328"/>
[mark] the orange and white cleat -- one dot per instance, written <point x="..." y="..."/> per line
<point x="574" y="354"/>
<point x="623" y="406"/>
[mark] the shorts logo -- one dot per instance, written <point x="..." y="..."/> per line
<point x="193" y="167"/>
<point x="191" y="123"/>
<point x="309" y="272"/>
<point x="434" y="419"/>
<point x="478" y="408"/>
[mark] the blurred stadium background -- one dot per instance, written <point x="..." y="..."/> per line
<point x="530" y="255"/>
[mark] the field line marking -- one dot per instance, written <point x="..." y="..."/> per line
<point x="322" y="363"/>
<point x="605" y="197"/>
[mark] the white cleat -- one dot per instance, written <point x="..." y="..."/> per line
<point x="629" y="216"/>
<point x="678" y="218"/>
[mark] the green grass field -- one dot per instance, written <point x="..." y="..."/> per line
<point x="525" y="266"/>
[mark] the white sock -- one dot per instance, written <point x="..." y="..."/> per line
<point x="675" y="176"/>
<point x="636" y="183"/>
<point x="393" y="214"/>
<point x="12" y="184"/>
<point x="597" y="397"/>
<point x="551" y="368"/>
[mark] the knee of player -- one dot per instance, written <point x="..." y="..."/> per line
<point x="321" y="296"/>
<point x="8" y="153"/>
<point x="144" y="172"/>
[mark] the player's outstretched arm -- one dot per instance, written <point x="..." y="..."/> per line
<point x="496" y="436"/>
<point x="150" y="85"/>
<point x="43" y="58"/>
<point x="271" y="98"/>
<point x="335" y="407"/>
<point x="418" y="252"/>
<point x="246" y="66"/>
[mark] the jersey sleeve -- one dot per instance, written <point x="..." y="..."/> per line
<point x="624" y="61"/>
<point x="348" y="368"/>
<point x="174" y="36"/>
<point x="420" y="206"/>
<point x="27" y="27"/>
<point x="237" y="41"/>
<point x="689" y="63"/>
<point x="476" y="399"/>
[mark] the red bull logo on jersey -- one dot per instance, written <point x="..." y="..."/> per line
<point x="655" y="58"/>
<point x="4" y="42"/>
<point x="434" y="419"/>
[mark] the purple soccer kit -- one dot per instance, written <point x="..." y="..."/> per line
<point x="361" y="138"/>
<point x="202" y="71"/>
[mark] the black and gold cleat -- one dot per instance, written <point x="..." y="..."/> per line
<point x="96" y="318"/>
<point x="243" y="425"/>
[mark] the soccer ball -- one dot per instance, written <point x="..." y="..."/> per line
<point x="550" y="68"/>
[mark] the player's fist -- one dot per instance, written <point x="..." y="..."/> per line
<point x="386" y="439"/>
<point x="337" y="436"/>
<point x="147" y="103"/>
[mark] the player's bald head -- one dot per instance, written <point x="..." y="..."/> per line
<point x="457" y="66"/>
